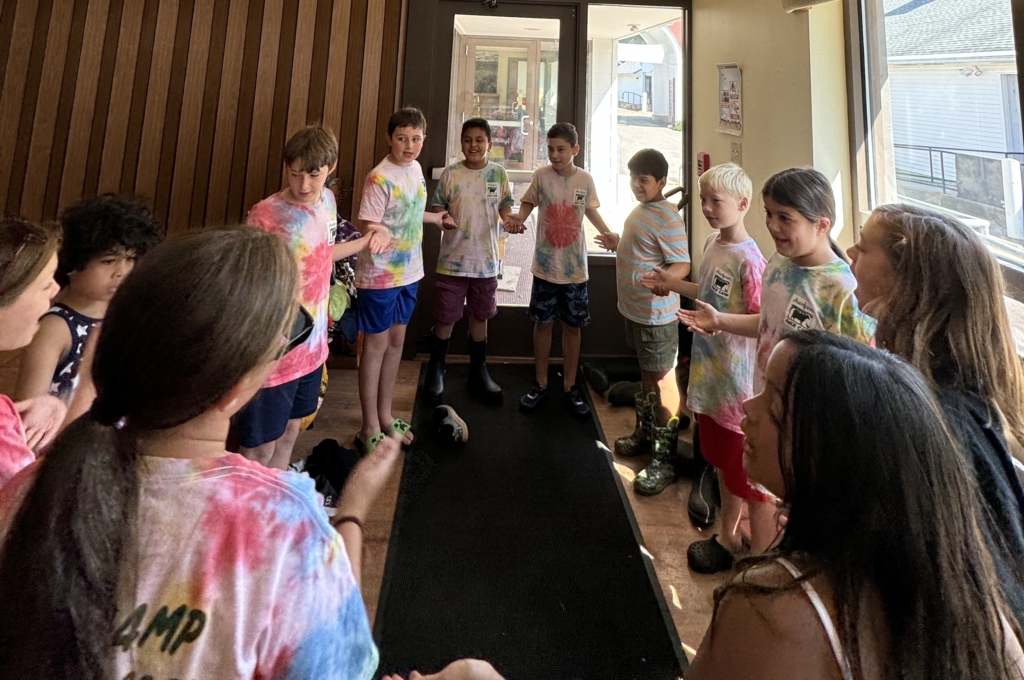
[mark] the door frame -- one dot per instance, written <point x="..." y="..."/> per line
<point x="428" y="52"/>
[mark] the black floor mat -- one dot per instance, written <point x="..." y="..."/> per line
<point x="519" y="548"/>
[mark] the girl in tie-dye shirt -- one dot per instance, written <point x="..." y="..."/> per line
<point x="137" y="547"/>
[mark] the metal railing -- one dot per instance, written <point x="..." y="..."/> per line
<point x="631" y="100"/>
<point x="938" y="176"/>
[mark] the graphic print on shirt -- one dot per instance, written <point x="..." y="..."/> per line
<point x="580" y="197"/>
<point x="395" y="197"/>
<point x="563" y="226"/>
<point x="560" y="255"/>
<point x="721" y="282"/>
<point x="800" y="314"/>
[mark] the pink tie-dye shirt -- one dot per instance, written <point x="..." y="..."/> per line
<point x="722" y="365"/>
<point x="309" y="231"/>
<point x="236" y="574"/>
<point x="14" y="452"/>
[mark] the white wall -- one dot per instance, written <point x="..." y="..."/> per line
<point x="794" y="96"/>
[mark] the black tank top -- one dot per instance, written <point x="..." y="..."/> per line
<point x="65" y="377"/>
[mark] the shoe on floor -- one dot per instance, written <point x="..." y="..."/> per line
<point x="533" y="397"/>
<point x="577" y="404"/>
<point x="597" y="378"/>
<point x="450" y="427"/>
<point x="708" y="557"/>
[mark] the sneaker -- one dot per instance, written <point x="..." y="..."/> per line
<point x="450" y="427"/>
<point x="533" y="397"/>
<point x="577" y="404"/>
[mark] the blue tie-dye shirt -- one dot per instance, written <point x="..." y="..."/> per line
<point x="795" y="298"/>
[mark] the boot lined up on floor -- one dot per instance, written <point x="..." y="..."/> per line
<point x="661" y="471"/>
<point x="639" y="443"/>
<point x="434" y="387"/>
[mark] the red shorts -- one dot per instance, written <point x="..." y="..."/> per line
<point x="723" y="448"/>
<point x="452" y="294"/>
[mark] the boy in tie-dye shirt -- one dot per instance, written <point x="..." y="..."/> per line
<point x="394" y="200"/>
<point x="653" y="236"/>
<point x="478" y="195"/>
<point x="305" y="216"/>
<point x="564" y="193"/>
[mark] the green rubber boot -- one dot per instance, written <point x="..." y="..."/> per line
<point x="638" y="443"/>
<point x="661" y="471"/>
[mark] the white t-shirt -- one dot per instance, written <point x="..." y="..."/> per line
<point x="560" y="255"/>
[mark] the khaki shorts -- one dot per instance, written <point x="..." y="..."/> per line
<point x="656" y="346"/>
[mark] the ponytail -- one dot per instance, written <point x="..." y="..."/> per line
<point x="63" y="555"/>
<point x="838" y="250"/>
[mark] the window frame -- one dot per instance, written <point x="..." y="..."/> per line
<point x="862" y="63"/>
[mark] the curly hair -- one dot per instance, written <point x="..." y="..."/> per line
<point x="97" y="226"/>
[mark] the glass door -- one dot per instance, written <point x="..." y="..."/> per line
<point x="513" y="65"/>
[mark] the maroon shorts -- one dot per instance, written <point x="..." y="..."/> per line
<point x="723" y="448"/>
<point x="453" y="294"/>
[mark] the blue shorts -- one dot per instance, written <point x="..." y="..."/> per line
<point x="380" y="309"/>
<point x="265" y="418"/>
<point x="569" y="302"/>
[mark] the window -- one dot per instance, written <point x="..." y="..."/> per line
<point x="635" y="100"/>
<point x="943" y="113"/>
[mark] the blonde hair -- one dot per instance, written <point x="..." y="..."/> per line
<point x="730" y="178"/>
<point x="946" y="313"/>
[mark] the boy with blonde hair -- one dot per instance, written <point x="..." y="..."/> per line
<point x="722" y="365"/>
<point x="305" y="216"/>
<point x="653" y="236"/>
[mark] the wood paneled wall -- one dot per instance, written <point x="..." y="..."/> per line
<point x="187" y="103"/>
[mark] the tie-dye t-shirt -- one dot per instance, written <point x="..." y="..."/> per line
<point x="560" y="255"/>
<point x="14" y="452"/>
<point x="473" y="198"/>
<point x="722" y="365"/>
<point x="309" y="231"/>
<point x="652" y="235"/>
<point x="795" y="298"/>
<point x="236" y="574"/>
<point x="394" y="196"/>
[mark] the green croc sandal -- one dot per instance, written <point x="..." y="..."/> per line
<point x="399" y="426"/>
<point x="365" y="448"/>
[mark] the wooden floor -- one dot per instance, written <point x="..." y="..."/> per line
<point x="663" y="520"/>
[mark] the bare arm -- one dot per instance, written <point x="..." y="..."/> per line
<point x="596" y="220"/>
<point x="708" y="320"/>
<point x="39" y="360"/>
<point x="664" y="281"/>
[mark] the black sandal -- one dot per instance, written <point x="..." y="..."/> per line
<point x="709" y="557"/>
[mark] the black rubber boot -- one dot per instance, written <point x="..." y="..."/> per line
<point x="433" y="388"/>
<point x="480" y="382"/>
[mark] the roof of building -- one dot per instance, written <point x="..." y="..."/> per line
<point x="939" y="27"/>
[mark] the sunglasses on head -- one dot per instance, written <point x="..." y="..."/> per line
<point x="302" y="328"/>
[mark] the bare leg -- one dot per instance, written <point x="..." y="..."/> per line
<point x="663" y="385"/>
<point x="375" y="345"/>
<point x="764" y="528"/>
<point x="443" y="331"/>
<point x="264" y="453"/>
<point x="542" y="351"/>
<point x="477" y="329"/>
<point x="571" y="337"/>
<point x="284" y="446"/>
<point x="732" y="508"/>
<point x="388" y="376"/>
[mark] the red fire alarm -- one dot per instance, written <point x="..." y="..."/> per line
<point x="703" y="163"/>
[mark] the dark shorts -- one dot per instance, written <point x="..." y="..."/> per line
<point x="566" y="301"/>
<point x="265" y="418"/>
<point x="380" y="309"/>
<point x="453" y="294"/>
<point x="723" y="448"/>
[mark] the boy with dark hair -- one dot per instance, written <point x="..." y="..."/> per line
<point x="477" y="194"/>
<point x="103" y="237"/>
<point x="305" y="216"/>
<point x="653" y="237"/>
<point x="394" y="201"/>
<point x="564" y="194"/>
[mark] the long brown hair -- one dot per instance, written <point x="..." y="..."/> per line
<point x="946" y="313"/>
<point x="882" y="502"/>
<point x="196" y="315"/>
<point x="25" y="249"/>
<point x="807" y="191"/>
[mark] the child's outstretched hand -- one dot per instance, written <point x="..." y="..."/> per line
<point x="656" y="281"/>
<point x="609" y="241"/>
<point x="705" y="320"/>
<point x="41" y="418"/>
<point x="380" y="240"/>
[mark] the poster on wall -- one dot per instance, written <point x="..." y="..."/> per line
<point x="730" y="109"/>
